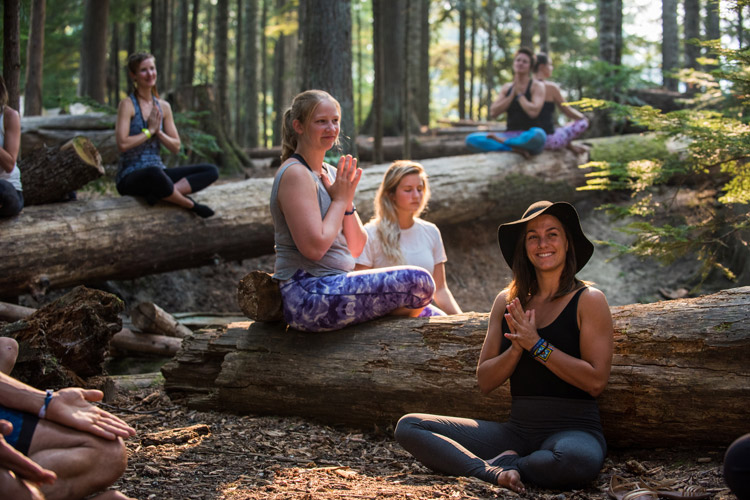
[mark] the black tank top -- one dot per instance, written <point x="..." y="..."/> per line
<point x="531" y="377"/>
<point x="516" y="117"/>
<point x="546" y="117"/>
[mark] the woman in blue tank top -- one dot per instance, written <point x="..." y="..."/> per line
<point x="144" y="124"/>
<point x="551" y="335"/>
<point x="318" y="233"/>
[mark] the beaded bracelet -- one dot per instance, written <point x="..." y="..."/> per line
<point x="43" y="409"/>
<point x="543" y="356"/>
<point x="536" y="346"/>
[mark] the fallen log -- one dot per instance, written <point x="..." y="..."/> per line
<point x="50" y="173"/>
<point x="677" y="366"/>
<point x="123" y="238"/>
<point x="65" y="341"/>
<point x="99" y="128"/>
<point x="146" y="343"/>
<point x="150" y="318"/>
<point x="13" y="312"/>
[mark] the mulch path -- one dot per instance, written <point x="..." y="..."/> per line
<point x="180" y="453"/>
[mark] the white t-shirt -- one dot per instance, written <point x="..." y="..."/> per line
<point x="14" y="176"/>
<point x="421" y="245"/>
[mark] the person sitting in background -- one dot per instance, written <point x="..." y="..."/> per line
<point x="551" y="335"/>
<point x="318" y="233"/>
<point x="11" y="195"/>
<point x="144" y="124"/>
<point x="396" y="235"/>
<point x="521" y="100"/>
<point x="560" y="137"/>
<point x="56" y="445"/>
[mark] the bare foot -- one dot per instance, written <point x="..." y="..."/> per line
<point x="522" y="152"/>
<point x="511" y="479"/>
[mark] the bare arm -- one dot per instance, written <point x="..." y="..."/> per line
<point x="299" y="203"/>
<point x="168" y="134"/>
<point x="557" y="98"/>
<point x="125" y="141"/>
<point x="443" y="297"/>
<point x="534" y="106"/>
<point x="9" y="152"/>
<point x="590" y="373"/>
<point x="502" y="103"/>
<point x="494" y="368"/>
<point x="21" y="465"/>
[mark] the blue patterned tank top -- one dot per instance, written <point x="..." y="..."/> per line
<point x="143" y="155"/>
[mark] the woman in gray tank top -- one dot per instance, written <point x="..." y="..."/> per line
<point x="11" y="197"/>
<point x="318" y="233"/>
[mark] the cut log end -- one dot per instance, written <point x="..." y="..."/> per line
<point x="259" y="297"/>
<point x="86" y="151"/>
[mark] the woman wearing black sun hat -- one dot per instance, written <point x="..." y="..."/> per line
<point x="551" y="335"/>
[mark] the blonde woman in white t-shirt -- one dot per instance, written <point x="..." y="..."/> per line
<point x="397" y="236"/>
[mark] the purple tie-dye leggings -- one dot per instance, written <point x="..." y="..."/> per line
<point x="320" y="304"/>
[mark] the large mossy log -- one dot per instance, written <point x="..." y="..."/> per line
<point x="78" y="242"/>
<point x="680" y="374"/>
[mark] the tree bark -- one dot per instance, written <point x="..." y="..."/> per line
<point x="527" y="25"/>
<point x="12" y="53"/>
<point x="150" y="318"/>
<point x="250" y="76"/>
<point x="669" y="46"/>
<point x="51" y="173"/>
<point x="692" y="32"/>
<point x="99" y="128"/>
<point x="114" y="238"/>
<point x="93" y="80"/>
<point x="193" y="41"/>
<point x="677" y="365"/>
<point x="183" y="48"/>
<point x="221" y="66"/>
<point x="462" y="13"/>
<point x="146" y="343"/>
<point x="66" y="340"/>
<point x="543" y="27"/>
<point x="13" y="312"/>
<point x="160" y="40"/>
<point x="32" y="105"/>
<point x="423" y="99"/>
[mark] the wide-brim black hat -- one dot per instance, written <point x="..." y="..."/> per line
<point x="508" y="233"/>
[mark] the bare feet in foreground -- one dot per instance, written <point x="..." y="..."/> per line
<point x="510" y="479"/>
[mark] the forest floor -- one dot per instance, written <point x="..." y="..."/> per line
<point x="186" y="454"/>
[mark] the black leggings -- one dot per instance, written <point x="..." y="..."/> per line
<point x="11" y="201"/>
<point x="155" y="183"/>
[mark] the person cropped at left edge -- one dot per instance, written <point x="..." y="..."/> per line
<point x="144" y="123"/>
<point x="11" y="197"/>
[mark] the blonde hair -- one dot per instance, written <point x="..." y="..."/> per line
<point x="133" y="63"/>
<point x="386" y="216"/>
<point x="303" y="106"/>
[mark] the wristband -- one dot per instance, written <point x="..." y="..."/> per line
<point x="147" y="132"/>
<point x="43" y="409"/>
<point x="354" y="209"/>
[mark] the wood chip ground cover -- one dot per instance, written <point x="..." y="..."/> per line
<point x="180" y="453"/>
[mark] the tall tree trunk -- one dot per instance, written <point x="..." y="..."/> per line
<point x="461" y="59"/>
<point x="692" y="33"/>
<point x="12" y="53"/>
<point x="543" y="27"/>
<point x="221" y="63"/>
<point x="238" y="108"/>
<point x="360" y="71"/>
<point x="113" y="78"/>
<point x="35" y="60"/>
<point x="250" y="76"/>
<point x="472" y="57"/>
<point x="527" y="25"/>
<point x="406" y="89"/>
<point x="167" y="71"/>
<point x="183" y="54"/>
<point x="712" y="26"/>
<point x="193" y="42"/>
<point x="264" y="73"/>
<point x="131" y="27"/>
<point x="423" y="75"/>
<point x="378" y="90"/>
<point x="490" y="69"/>
<point x="326" y="58"/>
<point x="618" y="32"/>
<point x="93" y="79"/>
<point x="607" y="25"/>
<point x="285" y="74"/>
<point x="670" y="51"/>
<point x="159" y="36"/>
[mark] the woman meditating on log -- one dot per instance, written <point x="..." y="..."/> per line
<point x="144" y="124"/>
<point x="396" y="235"/>
<point x="560" y="137"/>
<point x="318" y="233"/>
<point x="11" y="195"/>
<point x="521" y="100"/>
<point x="550" y="334"/>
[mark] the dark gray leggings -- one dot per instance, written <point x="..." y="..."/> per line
<point x="562" y="459"/>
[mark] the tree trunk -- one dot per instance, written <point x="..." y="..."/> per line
<point x="285" y="74"/>
<point x="221" y="66"/>
<point x="326" y="58"/>
<point x="66" y="340"/>
<point x="32" y="105"/>
<point x="240" y="35"/>
<point x="193" y="41"/>
<point x="39" y="131"/>
<point x="712" y="27"/>
<point x="12" y="53"/>
<point x="113" y="77"/>
<point x="264" y="74"/>
<point x="150" y="318"/>
<point x="543" y="27"/>
<point x="607" y="36"/>
<point x="490" y="67"/>
<point x="472" y="58"/>
<point x="461" y="59"/>
<point x="183" y="52"/>
<point x="146" y="343"/>
<point x="378" y="90"/>
<point x="692" y="32"/>
<point x="50" y="173"/>
<point x="677" y="365"/>
<point x="527" y="25"/>
<point x="114" y="238"/>
<point x="670" y="45"/>
<point x="131" y="28"/>
<point x="13" y="312"/>
<point x="93" y="80"/>
<point x="423" y="75"/>
<point x="159" y="40"/>
<point x="250" y="76"/>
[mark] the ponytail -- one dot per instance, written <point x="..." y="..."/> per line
<point x="303" y="105"/>
<point x="288" y="136"/>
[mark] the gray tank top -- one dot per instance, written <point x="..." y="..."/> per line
<point x="289" y="260"/>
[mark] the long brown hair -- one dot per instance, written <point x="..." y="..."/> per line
<point x="303" y="106"/>
<point x="133" y="63"/>
<point x="524" y="284"/>
<point x="3" y="94"/>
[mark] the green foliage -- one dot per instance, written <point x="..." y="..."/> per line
<point x="710" y="146"/>
<point x="194" y="140"/>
